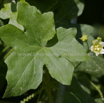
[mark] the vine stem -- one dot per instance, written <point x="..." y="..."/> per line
<point x="99" y="91"/>
<point x="8" y="54"/>
<point x="41" y="90"/>
<point x="4" y="50"/>
<point x="49" y="89"/>
<point x="88" y="45"/>
<point x="78" y="65"/>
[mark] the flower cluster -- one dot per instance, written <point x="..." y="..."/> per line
<point x="97" y="46"/>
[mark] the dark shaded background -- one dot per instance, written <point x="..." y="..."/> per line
<point x="93" y="12"/>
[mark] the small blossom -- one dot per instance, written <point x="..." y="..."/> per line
<point x="84" y="38"/>
<point x="97" y="47"/>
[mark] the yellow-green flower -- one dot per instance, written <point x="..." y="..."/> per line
<point x="97" y="47"/>
<point x="84" y="38"/>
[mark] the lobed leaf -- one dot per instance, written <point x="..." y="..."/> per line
<point x="30" y="54"/>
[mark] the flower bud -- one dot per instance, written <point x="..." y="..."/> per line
<point x="99" y="39"/>
<point x="84" y="38"/>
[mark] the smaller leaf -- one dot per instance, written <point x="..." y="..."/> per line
<point x="6" y="13"/>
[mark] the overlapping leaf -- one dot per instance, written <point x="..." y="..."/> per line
<point x="6" y="13"/>
<point x="30" y="54"/>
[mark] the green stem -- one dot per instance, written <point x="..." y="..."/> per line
<point x="41" y="90"/>
<point x="88" y="47"/>
<point x="4" y="50"/>
<point x="99" y="91"/>
<point x="49" y="89"/>
<point x="8" y="54"/>
<point x="78" y="65"/>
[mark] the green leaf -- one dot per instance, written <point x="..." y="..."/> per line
<point x="30" y="54"/>
<point x="93" y="66"/>
<point x="25" y="63"/>
<point x="79" y="94"/>
<point x="7" y="13"/>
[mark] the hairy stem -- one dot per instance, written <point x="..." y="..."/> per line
<point x="99" y="91"/>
